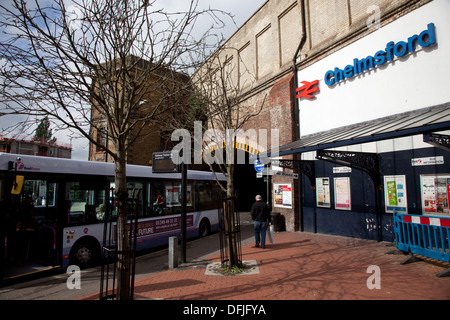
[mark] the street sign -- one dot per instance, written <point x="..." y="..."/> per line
<point x="162" y="162"/>
<point x="259" y="166"/>
<point x="270" y="172"/>
<point x="286" y="174"/>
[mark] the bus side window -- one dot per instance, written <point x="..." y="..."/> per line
<point x="156" y="199"/>
<point x="135" y="193"/>
<point x="84" y="206"/>
<point x="173" y="197"/>
<point x="208" y="193"/>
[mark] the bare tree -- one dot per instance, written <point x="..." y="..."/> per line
<point x="103" y="58"/>
<point x="219" y="98"/>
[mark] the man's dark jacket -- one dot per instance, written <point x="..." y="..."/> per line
<point x="260" y="212"/>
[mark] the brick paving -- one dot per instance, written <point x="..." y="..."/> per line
<point x="304" y="266"/>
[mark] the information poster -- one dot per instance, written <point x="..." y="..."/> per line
<point x="435" y="191"/>
<point x="342" y="194"/>
<point x="323" y="192"/>
<point x="282" y="195"/>
<point x="395" y="194"/>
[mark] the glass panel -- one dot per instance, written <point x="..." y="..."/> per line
<point x="207" y="194"/>
<point x="36" y="190"/>
<point x="51" y="194"/>
<point x="85" y="206"/>
<point x="158" y="199"/>
<point x="135" y="190"/>
<point x="164" y="198"/>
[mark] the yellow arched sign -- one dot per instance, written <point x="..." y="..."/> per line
<point x="237" y="145"/>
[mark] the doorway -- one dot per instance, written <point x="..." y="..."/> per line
<point x="247" y="186"/>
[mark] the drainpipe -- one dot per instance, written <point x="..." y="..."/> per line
<point x="298" y="156"/>
<point x="301" y="3"/>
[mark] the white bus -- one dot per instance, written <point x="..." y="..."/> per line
<point x="67" y="200"/>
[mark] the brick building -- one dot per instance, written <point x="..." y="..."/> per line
<point x="316" y="66"/>
<point x="162" y="93"/>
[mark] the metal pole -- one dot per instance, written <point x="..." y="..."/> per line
<point x="267" y="188"/>
<point x="183" y="210"/>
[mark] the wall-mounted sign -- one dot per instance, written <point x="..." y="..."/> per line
<point x="435" y="190"/>
<point x="307" y="89"/>
<point x="429" y="161"/>
<point x="282" y="195"/>
<point x="395" y="194"/>
<point x="342" y="196"/>
<point x="425" y="39"/>
<point x="285" y="174"/>
<point x="342" y="169"/>
<point x="323" y="192"/>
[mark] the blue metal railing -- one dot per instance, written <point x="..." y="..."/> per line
<point x="426" y="236"/>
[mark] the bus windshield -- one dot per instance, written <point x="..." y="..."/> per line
<point x="41" y="193"/>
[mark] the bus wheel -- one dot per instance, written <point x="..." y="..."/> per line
<point x="204" y="228"/>
<point x="83" y="255"/>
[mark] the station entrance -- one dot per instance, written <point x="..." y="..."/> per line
<point x="247" y="185"/>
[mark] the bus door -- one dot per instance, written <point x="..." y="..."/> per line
<point x="86" y="207"/>
<point x="31" y="235"/>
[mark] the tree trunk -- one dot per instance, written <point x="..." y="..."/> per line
<point x="230" y="223"/>
<point x="123" y="245"/>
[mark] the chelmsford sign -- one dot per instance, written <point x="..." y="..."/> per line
<point x="425" y="39"/>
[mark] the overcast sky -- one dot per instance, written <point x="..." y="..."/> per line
<point x="241" y="10"/>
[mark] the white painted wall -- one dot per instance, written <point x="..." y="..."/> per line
<point x="416" y="81"/>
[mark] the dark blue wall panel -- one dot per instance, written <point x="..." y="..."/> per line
<point x="361" y="221"/>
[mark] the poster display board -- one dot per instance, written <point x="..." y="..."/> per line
<point x="282" y="195"/>
<point x="323" y="192"/>
<point x="342" y="194"/>
<point x="395" y="194"/>
<point x="435" y="192"/>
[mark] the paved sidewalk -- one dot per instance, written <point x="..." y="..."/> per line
<point x="304" y="266"/>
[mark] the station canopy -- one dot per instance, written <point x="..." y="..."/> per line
<point x="424" y="121"/>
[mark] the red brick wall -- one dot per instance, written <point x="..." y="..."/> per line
<point x="278" y="113"/>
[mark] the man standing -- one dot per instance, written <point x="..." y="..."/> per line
<point x="261" y="215"/>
